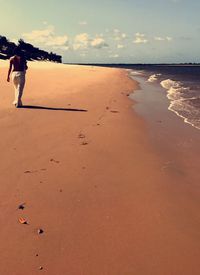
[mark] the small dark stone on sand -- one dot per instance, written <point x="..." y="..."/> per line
<point x="40" y="268"/>
<point x="21" y="206"/>
<point x="40" y="231"/>
<point x="36" y="255"/>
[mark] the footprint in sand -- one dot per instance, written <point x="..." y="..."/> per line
<point x="34" y="171"/>
<point x="29" y="172"/>
<point x="53" y="160"/>
<point x="113" y="111"/>
<point x="84" y="143"/>
<point x="81" y="135"/>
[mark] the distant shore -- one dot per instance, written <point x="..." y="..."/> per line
<point x="99" y="195"/>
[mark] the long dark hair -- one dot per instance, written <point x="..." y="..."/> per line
<point x="19" y="52"/>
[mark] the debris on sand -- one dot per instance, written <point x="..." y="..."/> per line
<point x="22" y="221"/>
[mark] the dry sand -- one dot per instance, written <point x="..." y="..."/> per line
<point x="90" y="178"/>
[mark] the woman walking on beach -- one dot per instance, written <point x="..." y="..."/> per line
<point x="18" y="66"/>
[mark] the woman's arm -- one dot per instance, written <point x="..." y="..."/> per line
<point x="9" y="71"/>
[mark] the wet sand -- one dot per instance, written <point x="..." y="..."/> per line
<point x="84" y="167"/>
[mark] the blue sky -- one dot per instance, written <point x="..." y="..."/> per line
<point x="110" y="31"/>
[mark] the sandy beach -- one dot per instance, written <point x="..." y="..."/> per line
<point x="81" y="163"/>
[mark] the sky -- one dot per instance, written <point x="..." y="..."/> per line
<point x="107" y="31"/>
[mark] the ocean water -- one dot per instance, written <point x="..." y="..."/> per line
<point x="181" y="85"/>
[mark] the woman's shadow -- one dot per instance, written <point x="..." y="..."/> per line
<point x="52" y="108"/>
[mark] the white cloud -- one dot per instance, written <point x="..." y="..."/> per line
<point x="83" y="41"/>
<point x="169" y="38"/>
<point x="99" y="43"/>
<point x="118" y="35"/>
<point x="140" y="38"/>
<point x="47" y="38"/>
<point x="158" y="38"/>
<point x="120" y="46"/>
<point x="83" y="23"/>
<point x="114" y="56"/>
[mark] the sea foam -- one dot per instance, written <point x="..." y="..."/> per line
<point x="153" y="77"/>
<point x="182" y="102"/>
<point x="132" y="73"/>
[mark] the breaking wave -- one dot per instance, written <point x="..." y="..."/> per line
<point x="153" y="77"/>
<point x="184" y="101"/>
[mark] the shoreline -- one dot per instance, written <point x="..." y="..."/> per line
<point x="92" y="180"/>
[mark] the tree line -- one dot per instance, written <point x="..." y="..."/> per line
<point x="30" y="52"/>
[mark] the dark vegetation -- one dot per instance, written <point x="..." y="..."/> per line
<point x="30" y="52"/>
